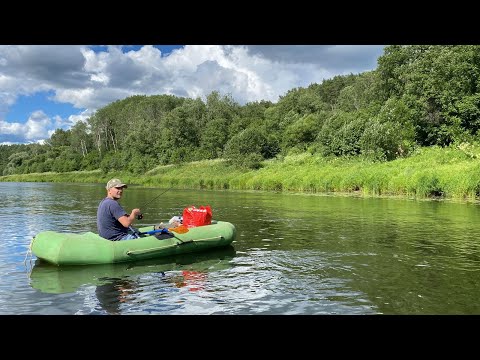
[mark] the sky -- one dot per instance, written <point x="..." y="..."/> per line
<point x="48" y="87"/>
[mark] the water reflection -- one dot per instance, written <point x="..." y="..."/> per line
<point x="124" y="295"/>
<point x="192" y="280"/>
<point x="112" y="294"/>
<point x="118" y="284"/>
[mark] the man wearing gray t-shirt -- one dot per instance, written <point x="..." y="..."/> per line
<point x="113" y="222"/>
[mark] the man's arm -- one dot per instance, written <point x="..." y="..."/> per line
<point x="127" y="220"/>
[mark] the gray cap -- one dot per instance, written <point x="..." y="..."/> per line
<point x="115" y="183"/>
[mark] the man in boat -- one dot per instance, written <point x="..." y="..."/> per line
<point x="113" y="222"/>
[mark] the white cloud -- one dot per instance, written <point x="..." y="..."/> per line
<point x="88" y="80"/>
<point x="73" y="119"/>
<point x="10" y="128"/>
<point x="37" y="126"/>
<point x="34" y="129"/>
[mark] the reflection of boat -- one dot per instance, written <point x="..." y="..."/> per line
<point x="61" y="279"/>
<point x="89" y="248"/>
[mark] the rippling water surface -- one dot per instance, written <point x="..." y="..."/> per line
<point x="294" y="254"/>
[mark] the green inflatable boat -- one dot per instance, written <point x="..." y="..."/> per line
<point x="89" y="248"/>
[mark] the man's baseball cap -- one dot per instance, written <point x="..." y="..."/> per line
<point x="115" y="183"/>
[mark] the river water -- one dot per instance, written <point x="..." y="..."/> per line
<point x="293" y="254"/>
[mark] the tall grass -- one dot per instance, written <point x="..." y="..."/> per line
<point x="448" y="173"/>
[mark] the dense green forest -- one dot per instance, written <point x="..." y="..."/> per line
<point x="418" y="96"/>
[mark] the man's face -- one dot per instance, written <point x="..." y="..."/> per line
<point x="115" y="192"/>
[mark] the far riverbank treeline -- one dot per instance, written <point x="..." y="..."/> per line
<point x="418" y="97"/>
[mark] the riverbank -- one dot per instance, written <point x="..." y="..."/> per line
<point x="430" y="173"/>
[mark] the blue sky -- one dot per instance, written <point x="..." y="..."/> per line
<point x="27" y="104"/>
<point x="45" y="87"/>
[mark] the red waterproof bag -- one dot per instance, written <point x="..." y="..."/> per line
<point x="193" y="216"/>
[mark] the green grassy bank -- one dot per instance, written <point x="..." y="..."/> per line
<point x="446" y="173"/>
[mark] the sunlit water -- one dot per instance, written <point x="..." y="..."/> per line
<point x="294" y="254"/>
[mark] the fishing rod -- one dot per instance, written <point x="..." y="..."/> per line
<point x="140" y="216"/>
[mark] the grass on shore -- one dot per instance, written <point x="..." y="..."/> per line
<point x="440" y="173"/>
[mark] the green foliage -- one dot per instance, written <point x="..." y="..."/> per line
<point x="329" y="91"/>
<point x="220" y="112"/>
<point x="249" y="161"/>
<point x="468" y="110"/>
<point x="381" y="141"/>
<point x="214" y="137"/>
<point x="390" y="134"/>
<point x="111" y="162"/>
<point x="340" y="134"/>
<point x="246" y="149"/>
<point x="137" y="163"/>
<point x="251" y="114"/>
<point x="178" y="140"/>
<point x="90" y="161"/>
<point x="60" y="138"/>
<point x="302" y="132"/>
<point x="360" y="94"/>
<point x="391" y="67"/>
<point x="439" y="84"/>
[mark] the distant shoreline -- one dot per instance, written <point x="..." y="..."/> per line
<point x="431" y="174"/>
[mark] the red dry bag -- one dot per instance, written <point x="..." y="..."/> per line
<point x="193" y="216"/>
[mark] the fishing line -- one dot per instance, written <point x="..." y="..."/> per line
<point x="140" y="216"/>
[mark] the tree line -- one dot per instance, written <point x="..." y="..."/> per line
<point x="418" y="96"/>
